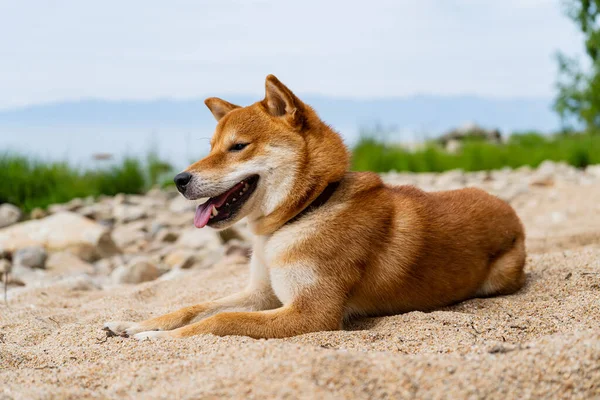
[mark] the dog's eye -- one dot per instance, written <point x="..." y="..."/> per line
<point x="238" y="147"/>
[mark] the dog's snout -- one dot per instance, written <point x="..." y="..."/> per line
<point x="181" y="180"/>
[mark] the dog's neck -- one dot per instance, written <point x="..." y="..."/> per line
<point x="327" y="161"/>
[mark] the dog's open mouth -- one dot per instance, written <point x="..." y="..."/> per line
<point x="225" y="205"/>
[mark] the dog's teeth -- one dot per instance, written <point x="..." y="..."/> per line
<point x="227" y="204"/>
<point x="246" y="186"/>
<point x="214" y="212"/>
<point x="211" y="217"/>
<point x="241" y="193"/>
<point x="234" y="199"/>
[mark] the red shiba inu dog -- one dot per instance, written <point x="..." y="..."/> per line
<point x="331" y="244"/>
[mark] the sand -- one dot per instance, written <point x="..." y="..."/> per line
<point x="543" y="342"/>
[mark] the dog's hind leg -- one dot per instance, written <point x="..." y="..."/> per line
<point x="506" y="273"/>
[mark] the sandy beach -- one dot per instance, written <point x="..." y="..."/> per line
<point x="542" y="342"/>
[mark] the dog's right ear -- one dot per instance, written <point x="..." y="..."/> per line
<point x="219" y="107"/>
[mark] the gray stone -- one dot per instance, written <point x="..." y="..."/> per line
<point x="180" y="205"/>
<point x="128" y="213"/>
<point x="593" y="170"/>
<point x="81" y="282"/>
<point x="128" y="234"/>
<point x="9" y="214"/>
<point x="38" y="213"/>
<point x="32" y="257"/>
<point x="180" y="258"/>
<point x="64" y="230"/>
<point x="195" y="238"/>
<point x="138" y="270"/>
<point x="66" y="263"/>
<point x="166" y="236"/>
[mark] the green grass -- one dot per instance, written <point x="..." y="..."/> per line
<point x="579" y="150"/>
<point x="30" y="183"/>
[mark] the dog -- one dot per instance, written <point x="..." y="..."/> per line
<point x="331" y="244"/>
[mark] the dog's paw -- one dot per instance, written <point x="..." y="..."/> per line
<point x="149" y="335"/>
<point x="123" y="328"/>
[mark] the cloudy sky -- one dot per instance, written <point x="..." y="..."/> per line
<point x="123" y="49"/>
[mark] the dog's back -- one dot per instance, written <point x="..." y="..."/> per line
<point x="416" y="250"/>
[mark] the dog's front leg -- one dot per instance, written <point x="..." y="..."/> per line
<point x="310" y="305"/>
<point x="279" y="323"/>
<point x="258" y="296"/>
<point x="247" y="301"/>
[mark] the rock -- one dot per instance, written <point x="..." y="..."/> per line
<point x="38" y="213"/>
<point x="451" y="179"/>
<point x="156" y="227"/>
<point x="59" y="231"/>
<point x="31" y="257"/>
<point x="85" y="252"/>
<point x="231" y="260"/>
<point x="65" y="263"/>
<point x="195" y="238"/>
<point x="207" y="258"/>
<point x="118" y="199"/>
<point x="164" y="195"/>
<point x="78" y="283"/>
<point x="180" y="205"/>
<point x="542" y="181"/>
<point x="9" y="214"/>
<point x="127" y="213"/>
<point x="230" y="234"/>
<point x="166" y="236"/>
<point x="57" y="208"/>
<point x="128" y="234"/>
<point x="180" y="258"/>
<point x="107" y="265"/>
<point x="96" y="212"/>
<point x="236" y="247"/>
<point x="72" y="205"/>
<point x="29" y="276"/>
<point x="169" y="219"/>
<point x="513" y="191"/>
<point x="593" y="170"/>
<point x="137" y="270"/>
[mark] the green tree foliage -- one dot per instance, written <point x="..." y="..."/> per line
<point x="578" y="97"/>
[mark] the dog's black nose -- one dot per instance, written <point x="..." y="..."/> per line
<point x="181" y="180"/>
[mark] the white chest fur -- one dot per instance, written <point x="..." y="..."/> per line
<point x="288" y="280"/>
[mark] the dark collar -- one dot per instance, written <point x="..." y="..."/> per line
<point x="318" y="202"/>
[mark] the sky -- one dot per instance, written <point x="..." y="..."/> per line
<point x="59" y="50"/>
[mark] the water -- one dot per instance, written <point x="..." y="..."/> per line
<point x="79" y="144"/>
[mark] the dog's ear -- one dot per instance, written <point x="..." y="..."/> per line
<point x="219" y="107"/>
<point x="281" y="102"/>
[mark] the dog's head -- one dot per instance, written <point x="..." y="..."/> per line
<point x="266" y="161"/>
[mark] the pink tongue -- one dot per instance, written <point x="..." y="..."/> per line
<point x="203" y="214"/>
<point x="203" y="211"/>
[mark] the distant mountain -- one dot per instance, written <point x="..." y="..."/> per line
<point x="429" y="115"/>
<point x="180" y="129"/>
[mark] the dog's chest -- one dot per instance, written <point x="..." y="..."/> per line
<point x="290" y="271"/>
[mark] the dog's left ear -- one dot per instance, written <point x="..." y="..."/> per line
<point x="281" y="102"/>
<point x="219" y="107"/>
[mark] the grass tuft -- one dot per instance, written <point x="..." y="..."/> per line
<point x="374" y="154"/>
<point x="30" y="183"/>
